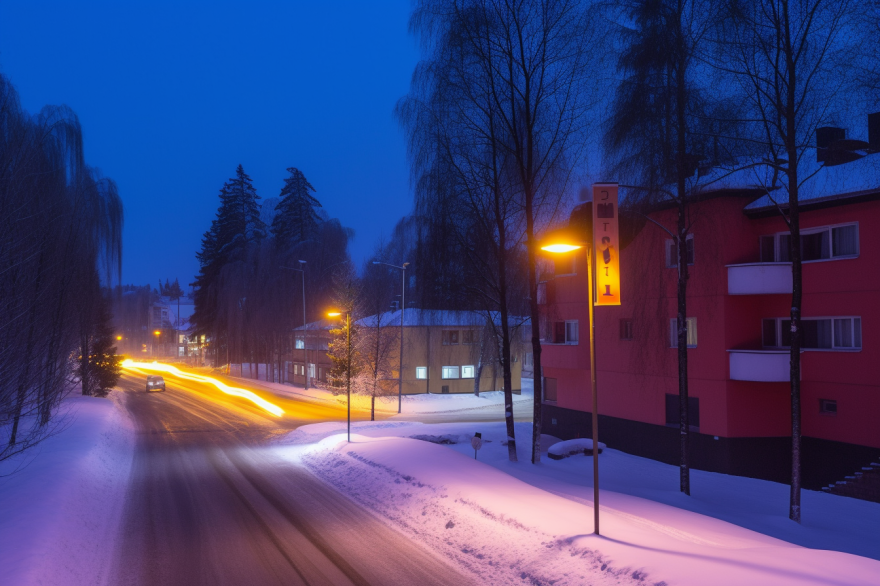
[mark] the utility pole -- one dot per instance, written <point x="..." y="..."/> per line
<point x="402" y="308"/>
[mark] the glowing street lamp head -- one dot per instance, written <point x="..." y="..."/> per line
<point x="334" y="313"/>
<point x="157" y="332"/>
<point x="118" y="337"/>
<point x="561" y="247"/>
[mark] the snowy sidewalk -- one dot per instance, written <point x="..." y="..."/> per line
<point x="59" y="514"/>
<point x="536" y="527"/>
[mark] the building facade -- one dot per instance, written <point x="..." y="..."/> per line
<point x="739" y="299"/>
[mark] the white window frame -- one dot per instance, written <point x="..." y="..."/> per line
<point x="672" y="259"/>
<point x="300" y="344"/>
<point x="834" y="342"/>
<point x="449" y="372"/>
<point x="807" y="231"/>
<point x="467" y="371"/>
<point x="569" y="341"/>
<point x="673" y="332"/>
<point x="421" y="373"/>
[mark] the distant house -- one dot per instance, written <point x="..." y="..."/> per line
<point x="443" y="350"/>
<point x="310" y="342"/>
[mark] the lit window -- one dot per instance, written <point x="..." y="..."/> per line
<point x="467" y="371"/>
<point x="421" y="372"/>
<point x="300" y="344"/>
<point x="691" y="332"/>
<point x="450" y="372"/>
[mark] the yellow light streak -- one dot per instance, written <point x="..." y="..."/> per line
<point x="561" y="247"/>
<point x="334" y="313"/>
<point x="243" y="393"/>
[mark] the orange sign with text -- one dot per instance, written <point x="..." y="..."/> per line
<point x="606" y="243"/>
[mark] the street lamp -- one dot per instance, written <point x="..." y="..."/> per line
<point x="558" y="243"/>
<point x="157" y="333"/>
<point x="302" y="271"/>
<point x="347" y="362"/>
<point x="402" y="308"/>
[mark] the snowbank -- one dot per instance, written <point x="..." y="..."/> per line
<point x="412" y="404"/>
<point x="59" y="514"/>
<point x="537" y="527"/>
<point x="561" y="450"/>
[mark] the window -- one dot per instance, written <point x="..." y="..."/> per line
<point x="467" y="371"/>
<point x="450" y="337"/>
<point x="672" y="415"/>
<point x="565" y="332"/>
<point x="449" y="372"/>
<point x="528" y="361"/>
<point x="311" y="370"/>
<point x="421" y="372"/>
<point x="691" y="332"/>
<point x="827" y="407"/>
<point x="571" y="332"/>
<point x="825" y="243"/>
<point x="300" y="344"/>
<point x="467" y="337"/>
<point x="672" y="252"/>
<point x="626" y="329"/>
<point x="837" y="333"/>
<point x="549" y="389"/>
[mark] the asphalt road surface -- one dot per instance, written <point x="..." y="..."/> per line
<point x="210" y="503"/>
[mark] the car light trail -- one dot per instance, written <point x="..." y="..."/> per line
<point x="243" y="393"/>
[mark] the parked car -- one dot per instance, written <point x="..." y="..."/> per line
<point x="155" y="383"/>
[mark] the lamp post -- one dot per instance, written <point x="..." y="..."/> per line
<point x="570" y="246"/>
<point x="157" y="333"/>
<point x="347" y="363"/>
<point x="402" y="308"/>
<point x="302" y="271"/>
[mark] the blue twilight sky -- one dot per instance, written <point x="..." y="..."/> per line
<point x="172" y="96"/>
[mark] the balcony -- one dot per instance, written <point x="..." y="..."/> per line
<point x="759" y="278"/>
<point x="768" y="366"/>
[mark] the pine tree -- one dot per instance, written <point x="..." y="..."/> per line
<point x="236" y="226"/>
<point x="296" y="219"/>
<point x="106" y="364"/>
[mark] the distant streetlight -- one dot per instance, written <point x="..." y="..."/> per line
<point x="302" y="271"/>
<point x="157" y="333"/>
<point x="347" y="313"/>
<point x="118" y="337"/>
<point x="557" y="243"/>
<point x="402" y="308"/>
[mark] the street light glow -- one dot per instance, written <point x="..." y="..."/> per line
<point x="243" y="393"/>
<point x="334" y="313"/>
<point x="157" y="332"/>
<point x="118" y="337"/>
<point x="560" y="247"/>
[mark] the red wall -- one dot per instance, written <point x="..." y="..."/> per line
<point x="634" y="376"/>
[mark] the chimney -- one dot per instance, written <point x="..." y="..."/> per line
<point x="824" y="137"/>
<point x="874" y="131"/>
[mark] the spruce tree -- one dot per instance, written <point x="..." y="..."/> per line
<point x="106" y="364"/>
<point x="296" y="219"/>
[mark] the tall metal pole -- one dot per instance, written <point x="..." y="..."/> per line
<point x="594" y="392"/>
<point x="305" y="328"/>
<point x="348" y="374"/>
<point x="402" y="309"/>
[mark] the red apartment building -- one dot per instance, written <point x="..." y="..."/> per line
<point x="739" y="299"/>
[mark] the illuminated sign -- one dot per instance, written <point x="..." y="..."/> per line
<point x="606" y="243"/>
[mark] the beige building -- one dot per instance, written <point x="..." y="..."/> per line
<point x="443" y="350"/>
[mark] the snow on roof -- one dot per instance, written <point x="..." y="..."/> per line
<point x="438" y="317"/>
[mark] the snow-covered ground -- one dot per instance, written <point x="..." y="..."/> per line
<point x="412" y="404"/>
<point x="60" y="511"/>
<point x="519" y="523"/>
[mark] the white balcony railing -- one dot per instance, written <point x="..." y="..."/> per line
<point x="770" y="366"/>
<point x="759" y="278"/>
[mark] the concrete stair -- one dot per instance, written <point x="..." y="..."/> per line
<point x="864" y="484"/>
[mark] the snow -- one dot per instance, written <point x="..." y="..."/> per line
<point x="412" y="404"/>
<point x="60" y="511"/>
<point x="571" y="447"/>
<point x="512" y="523"/>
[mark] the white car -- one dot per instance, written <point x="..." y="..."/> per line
<point x="155" y="383"/>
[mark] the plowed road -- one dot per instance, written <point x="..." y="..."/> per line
<point x="210" y="502"/>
